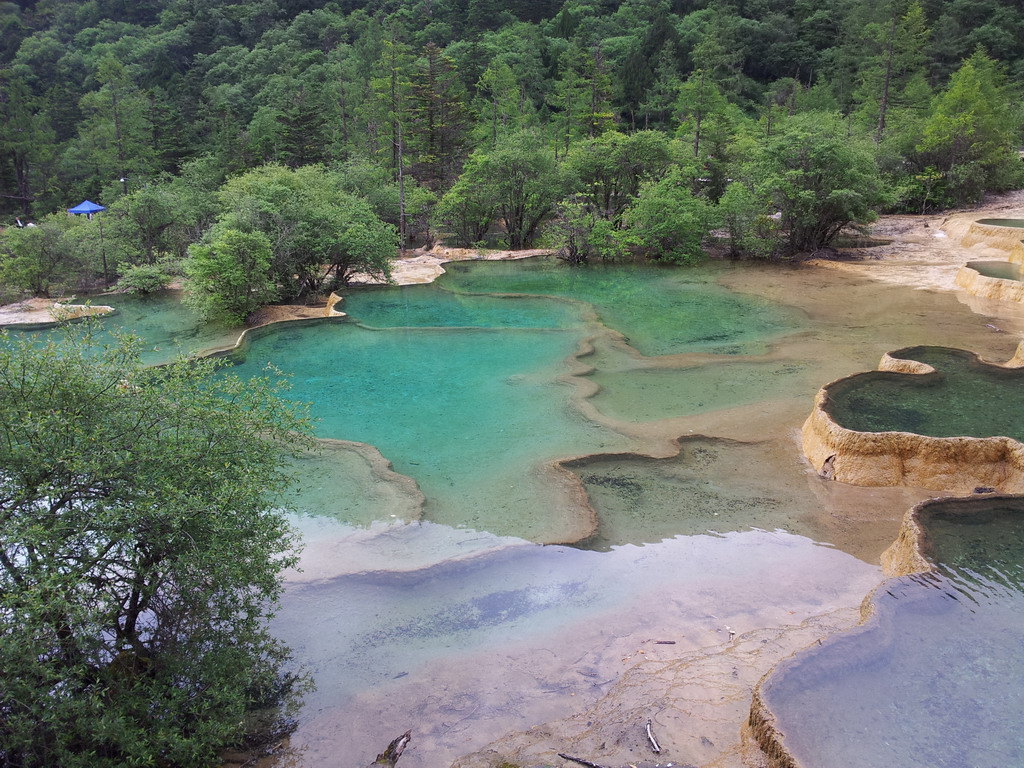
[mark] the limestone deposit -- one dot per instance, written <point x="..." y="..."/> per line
<point x="951" y="464"/>
<point x="997" y="289"/>
<point x="44" y="313"/>
<point x="1006" y="239"/>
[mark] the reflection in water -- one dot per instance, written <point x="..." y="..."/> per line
<point x="938" y="679"/>
<point x="490" y="635"/>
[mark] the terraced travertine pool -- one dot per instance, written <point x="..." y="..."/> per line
<point x="529" y="402"/>
<point x="463" y="393"/>
<point x="1001" y="270"/>
<point x="964" y="397"/>
<point x="935" y="679"/>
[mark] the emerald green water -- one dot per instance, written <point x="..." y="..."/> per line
<point x="1002" y="270"/>
<point x="166" y="327"/>
<point x="660" y="310"/>
<point x="426" y="306"/>
<point x="1002" y="222"/>
<point x="461" y="391"/>
<point x="966" y="398"/>
<point x="938" y="680"/>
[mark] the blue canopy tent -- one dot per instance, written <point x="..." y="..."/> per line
<point x="87" y="207"/>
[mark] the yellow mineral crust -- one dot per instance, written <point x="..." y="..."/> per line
<point x="993" y="236"/>
<point x="977" y="284"/>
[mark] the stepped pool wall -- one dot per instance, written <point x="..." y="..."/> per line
<point x="880" y="672"/>
<point x="956" y="464"/>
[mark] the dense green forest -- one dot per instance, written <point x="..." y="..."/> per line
<point x="604" y="128"/>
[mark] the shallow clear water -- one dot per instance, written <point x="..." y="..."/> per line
<point x="427" y="306"/>
<point x="648" y="394"/>
<point x="166" y="327"/>
<point x="660" y="310"/>
<point x="463" y="635"/>
<point x="966" y="398"/>
<point x="462" y="392"/>
<point x="712" y="486"/>
<point x="496" y="635"/>
<point x="939" y="680"/>
<point x="1003" y="222"/>
<point x="1002" y="270"/>
<point x="470" y="414"/>
<point x="342" y="483"/>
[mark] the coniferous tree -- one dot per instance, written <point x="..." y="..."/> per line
<point x="439" y="120"/>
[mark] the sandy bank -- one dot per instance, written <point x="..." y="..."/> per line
<point x="927" y="251"/>
<point x="44" y="313"/>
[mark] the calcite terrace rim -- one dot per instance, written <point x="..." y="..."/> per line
<point x="906" y="556"/>
<point x="888" y="458"/>
<point x="973" y="282"/>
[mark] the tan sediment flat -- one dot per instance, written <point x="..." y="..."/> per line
<point x="927" y="251"/>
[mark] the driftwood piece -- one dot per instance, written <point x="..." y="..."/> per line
<point x="394" y="751"/>
<point x="579" y="760"/>
<point x="650" y="737"/>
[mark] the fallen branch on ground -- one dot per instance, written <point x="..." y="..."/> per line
<point x="580" y="760"/>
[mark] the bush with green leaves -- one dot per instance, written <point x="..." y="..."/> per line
<point x="817" y="178"/>
<point x="144" y="279"/>
<point x="319" y="235"/>
<point x="582" y="235"/>
<point x="668" y="222"/>
<point x="970" y="140"/>
<point x="45" y="258"/>
<point x="229" y="276"/>
<point x="141" y="548"/>
<point x="753" y="233"/>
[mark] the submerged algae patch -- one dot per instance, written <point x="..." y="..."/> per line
<point x="711" y="486"/>
<point x="965" y="397"/>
